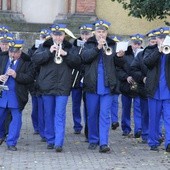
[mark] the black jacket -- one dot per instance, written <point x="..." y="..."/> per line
<point x="153" y="63"/>
<point x="33" y="88"/>
<point x="24" y="76"/>
<point x="139" y="69"/>
<point x="78" y="72"/>
<point x="90" y="57"/>
<point x="55" y="79"/>
<point x="124" y="71"/>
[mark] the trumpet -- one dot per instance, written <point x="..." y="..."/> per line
<point x="108" y="50"/>
<point x="166" y="49"/>
<point x="165" y="46"/>
<point x="58" y="59"/>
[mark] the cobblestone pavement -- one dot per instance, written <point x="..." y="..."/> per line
<point x="126" y="152"/>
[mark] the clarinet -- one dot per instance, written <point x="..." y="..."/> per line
<point x="3" y="86"/>
<point x="76" y="73"/>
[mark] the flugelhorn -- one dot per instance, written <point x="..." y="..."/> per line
<point x="58" y="59"/>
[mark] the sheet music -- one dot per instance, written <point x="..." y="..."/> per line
<point x="166" y="41"/>
<point x="38" y="42"/>
<point x="80" y="43"/>
<point x="123" y="45"/>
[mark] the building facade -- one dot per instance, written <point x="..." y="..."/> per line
<point x="47" y="11"/>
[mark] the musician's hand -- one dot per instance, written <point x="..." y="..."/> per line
<point x="12" y="73"/>
<point x="63" y="53"/>
<point x="3" y="78"/>
<point x="53" y="48"/>
<point x="121" y="53"/>
<point x="101" y="42"/>
<point x="130" y="80"/>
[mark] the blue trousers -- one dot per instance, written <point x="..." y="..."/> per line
<point x="126" y="114"/>
<point x="145" y="118"/>
<point x="76" y="108"/>
<point x="99" y="118"/>
<point x="60" y="119"/>
<point x="49" y="111"/>
<point x="2" y="126"/>
<point x="34" y="114"/>
<point x="114" y="110"/>
<point x="41" y="120"/>
<point x="156" y="109"/>
<point x="14" y="127"/>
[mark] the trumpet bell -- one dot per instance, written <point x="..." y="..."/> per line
<point x="108" y="51"/>
<point x="58" y="59"/>
<point x="166" y="49"/>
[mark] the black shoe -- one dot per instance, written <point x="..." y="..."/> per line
<point x="161" y="140"/>
<point x="138" y="134"/>
<point x="125" y="133"/>
<point x="12" y="148"/>
<point x="92" y="146"/>
<point x="43" y="139"/>
<point x="36" y="133"/>
<point x="115" y="125"/>
<point x="59" y="149"/>
<point x="168" y="148"/>
<point x="77" y="132"/>
<point x="144" y="141"/>
<point x="154" y="148"/>
<point x="104" y="149"/>
<point x="50" y="146"/>
<point x="1" y="140"/>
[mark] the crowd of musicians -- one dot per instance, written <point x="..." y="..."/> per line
<point x="95" y="74"/>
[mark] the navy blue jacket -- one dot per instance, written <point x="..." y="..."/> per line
<point x="24" y="76"/>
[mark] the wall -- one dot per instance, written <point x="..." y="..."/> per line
<point x="35" y="12"/>
<point x="122" y="24"/>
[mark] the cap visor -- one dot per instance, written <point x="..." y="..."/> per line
<point x="57" y="33"/>
<point x="13" y="49"/>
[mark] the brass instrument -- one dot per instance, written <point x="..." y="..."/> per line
<point x="165" y="46"/>
<point x="166" y="49"/>
<point x="108" y="50"/>
<point x="133" y="86"/>
<point x="58" y="59"/>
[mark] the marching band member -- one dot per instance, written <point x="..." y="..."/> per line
<point x="99" y="85"/>
<point x="77" y="91"/>
<point x="115" y="104"/>
<point x="139" y="72"/>
<point x="37" y="114"/>
<point x="158" y="90"/>
<point x="55" y="80"/>
<point x="15" y="73"/>
<point x="126" y="87"/>
<point x="5" y="38"/>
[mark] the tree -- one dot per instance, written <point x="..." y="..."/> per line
<point x="149" y="9"/>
